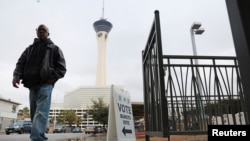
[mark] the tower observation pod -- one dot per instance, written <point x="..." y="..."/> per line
<point x="102" y="28"/>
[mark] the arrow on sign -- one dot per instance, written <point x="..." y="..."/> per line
<point x="126" y="131"/>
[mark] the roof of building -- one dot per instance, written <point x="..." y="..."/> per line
<point x="9" y="100"/>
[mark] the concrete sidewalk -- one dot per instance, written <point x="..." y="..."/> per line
<point x="203" y="139"/>
<point x="68" y="137"/>
<point x="52" y="137"/>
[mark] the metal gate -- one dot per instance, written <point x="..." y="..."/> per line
<point x="183" y="97"/>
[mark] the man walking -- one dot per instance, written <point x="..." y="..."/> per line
<point x="38" y="69"/>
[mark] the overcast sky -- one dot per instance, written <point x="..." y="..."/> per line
<point x="71" y="27"/>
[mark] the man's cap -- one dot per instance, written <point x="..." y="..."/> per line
<point x="43" y="27"/>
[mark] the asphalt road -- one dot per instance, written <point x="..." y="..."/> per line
<point x="57" y="137"/>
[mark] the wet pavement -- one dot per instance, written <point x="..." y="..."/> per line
<point x="56" y="137"/>
<point x="203" y="139"/>
<point x="68" y="137"/>
<point x="98" y="137"/>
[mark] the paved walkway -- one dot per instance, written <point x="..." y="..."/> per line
<point x="204" y="139"/>
<point x="98" y="137"/>
<point x="56" y="137"/>
<point x="68" y="137"/>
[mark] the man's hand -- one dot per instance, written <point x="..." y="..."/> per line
<point x="16" y="82"/>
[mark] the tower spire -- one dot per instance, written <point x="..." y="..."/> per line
<point x="102" y="9"/>
<point x="102" y="28"/>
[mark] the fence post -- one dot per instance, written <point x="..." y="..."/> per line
<point x="239" y="16"/>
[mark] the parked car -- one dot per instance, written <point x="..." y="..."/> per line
<point x="100" y="130"/>
<point x="69" y="129"/>
<point x="91" y="130"/>
<point x="77" y="130"/>
<point x="27" y="125"/>
<point x="60" y="129"/>
<point x="19" y="127"/>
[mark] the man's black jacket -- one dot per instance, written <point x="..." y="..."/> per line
<point x="47" y="65"/>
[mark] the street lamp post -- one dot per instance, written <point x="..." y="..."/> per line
<point x="195" y="29"/>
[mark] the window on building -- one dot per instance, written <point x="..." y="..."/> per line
<point x="13" y="108"/>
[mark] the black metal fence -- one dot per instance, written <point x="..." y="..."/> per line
<point x="155" y="104"/>
<point x="209" y="92"/>
<point x="184" y="94"/>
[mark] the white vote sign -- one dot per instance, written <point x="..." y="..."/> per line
<point x="121" y="121"/>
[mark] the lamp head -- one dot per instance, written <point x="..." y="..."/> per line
<point x="196" y="25"/>
<point x="199" y="31"/>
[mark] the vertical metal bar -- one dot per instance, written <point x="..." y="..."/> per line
<point x="145" y="97"/>
<point x="238" y="11"/>
<point x="171" y="96"/>
<point x="164" y="108"/>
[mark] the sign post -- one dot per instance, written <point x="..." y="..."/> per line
<point x="120" y="121"/>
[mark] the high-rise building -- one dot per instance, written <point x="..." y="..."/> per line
<point x="102" y="28"/>
<point x="80" y="99"/>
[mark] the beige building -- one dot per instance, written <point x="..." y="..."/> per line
<point x="82" y="97"/>
<point x="80" y="100"/>
<point x="8" y="112"/>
